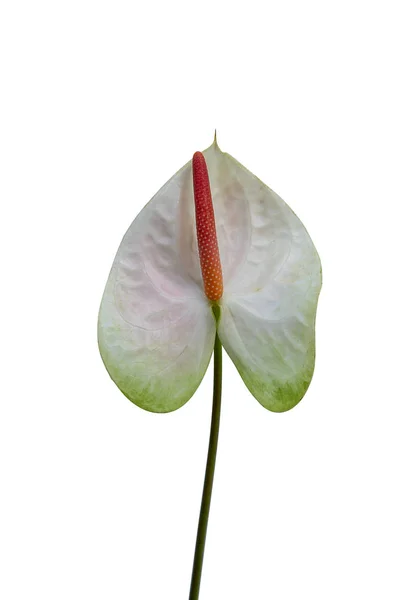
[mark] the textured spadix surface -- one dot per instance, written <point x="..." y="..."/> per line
<point x="156" y="326"/>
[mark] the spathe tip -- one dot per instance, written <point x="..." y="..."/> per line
<point x="215" y="143"/>
<point x="214" y="146"/>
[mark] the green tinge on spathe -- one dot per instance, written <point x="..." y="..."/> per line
<point x="157" y="328"/>
<point x="154" y="394"/>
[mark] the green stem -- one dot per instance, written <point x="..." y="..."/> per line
<point x="209" y="475"/>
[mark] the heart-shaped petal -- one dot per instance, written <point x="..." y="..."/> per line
<point x="156" y="326"/>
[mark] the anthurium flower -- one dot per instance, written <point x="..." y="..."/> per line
<point x="215" y="250"/>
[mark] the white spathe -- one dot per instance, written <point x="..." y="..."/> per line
<point x="156" y="326"/>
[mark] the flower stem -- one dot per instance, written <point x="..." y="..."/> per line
<point x="209" y="475"/>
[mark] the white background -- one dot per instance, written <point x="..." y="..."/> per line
<point x="101" y="103"/>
